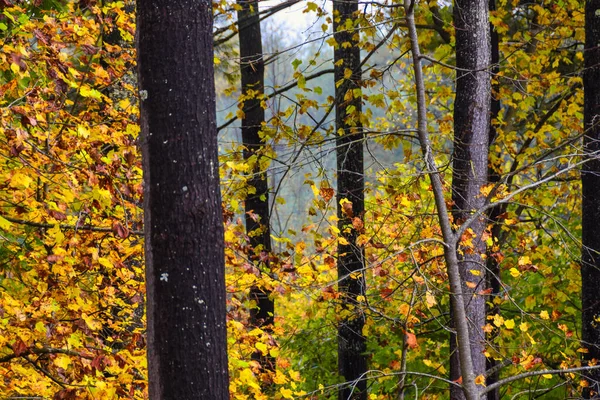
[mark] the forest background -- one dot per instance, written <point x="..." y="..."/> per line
<point x="72" y="303"/>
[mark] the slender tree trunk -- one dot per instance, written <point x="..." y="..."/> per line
<point x="590" y="182"/>
<point x="492" y="264"/>
<point x="257" y="204"/>
<point x="352" y="364"/>
<point x="458" y="299"/>
<point x="470" y="169"/>
<point x="187" y="348"/>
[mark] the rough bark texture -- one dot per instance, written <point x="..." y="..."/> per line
<point x="590" y="179"/>
<point x="183" y="218"/>
<point x="352" y="363"/>
<point x="470" y="167"/>
<point x="257" y="204"/>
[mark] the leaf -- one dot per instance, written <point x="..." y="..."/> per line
<point x="20" y="180"/>
<point x="498" y="320"/>
<point x="509" y="324"/>
<point x="120" y="230"/>
<point x="544" y="315"/>
<point x="480" y="380"/>
<point x="261" y="347"/>
<point x="86" y="91"/>
<point x="19" y="347"/>
<point x="62" y="361"/>
<point x="5" y="224"/>
<point x="326" y="193"/>
<point x="411" y="340"/>
<point x="347" y="207"/>
<point x="286" y="393"/>
<point x="430" y="299"/>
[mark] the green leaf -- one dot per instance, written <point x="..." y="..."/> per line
<point x="5" y="224"/>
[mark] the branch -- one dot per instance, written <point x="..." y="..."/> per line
<point x="45" y="350"/>
<point x="534" y="373"/>
<point x="66" y="226"/>
<point x="243" y="25"/>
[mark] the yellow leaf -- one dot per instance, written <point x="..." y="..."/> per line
<point x="82" y="131"/>
<point x="547" y="376"/>
<point x="56" y="234"/>
<point x="295" y="375"/>
<point x="525" y="260"/>
<point x="475" y="272"/>
<point x="514" y="272"/>
<point x="430" y="299"/>
<point x="509" y="324"/>
<point x="62" y="361"/>
<point x="347" y="73"/>
<point x="261" y="347"/>
<point x="286" y="393"/>
<point x="360" y="299"/>
<point x="480" y="380"/>
<point x="92" y="323"/>
<point x="524" y="326"/>
<point x="86" y="91"/>
<point x="531" y="339"/>
<point x="20" y="180"/>
<point x="544" y="315"/>
<point x="498" y="320"/>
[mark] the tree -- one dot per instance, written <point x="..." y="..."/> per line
<point x="256" y="205"/>
<point x="187" y="349"/>
<point x="590" y="209"/>
<point x="352" y="364"/>
<point x="472" y="109"/>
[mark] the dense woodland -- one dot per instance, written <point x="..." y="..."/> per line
<point x="401" y="201"/>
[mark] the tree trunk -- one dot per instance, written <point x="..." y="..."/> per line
<point x="470" y="168"/>
<point x="257" y="204"/>
<point x="352" y="364"/>
<point x="187" y="349"/>
<point x="590" y="182"/>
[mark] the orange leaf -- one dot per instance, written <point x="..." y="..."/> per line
<point x="326" y="193"/>
<point x="411" y="340"/>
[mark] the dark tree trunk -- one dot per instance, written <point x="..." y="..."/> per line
<point x="492" y="264"/>
<point x="590" y="182"/>
<point x="352" y="364"/>
<point x="187" y="349"/>
<point x="470" y="166"/>
<point x="257" y="204"/>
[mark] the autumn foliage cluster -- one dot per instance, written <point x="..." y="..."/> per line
<point x="72" y="292"/>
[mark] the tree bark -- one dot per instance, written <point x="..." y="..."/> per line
<point x="187" y="349"/>
<point x="470" y="169"/>
<point x="256" y="204"/>
<point x="352" y="363"/>
<point x="590" y="183"/>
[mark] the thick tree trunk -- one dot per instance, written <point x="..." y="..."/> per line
<point x="470" y="168"/>
<point x="590" y="181"/>
<point x="183" y="219"/>
<point x="352" y="364"/>
<point x="257" y="204"/>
